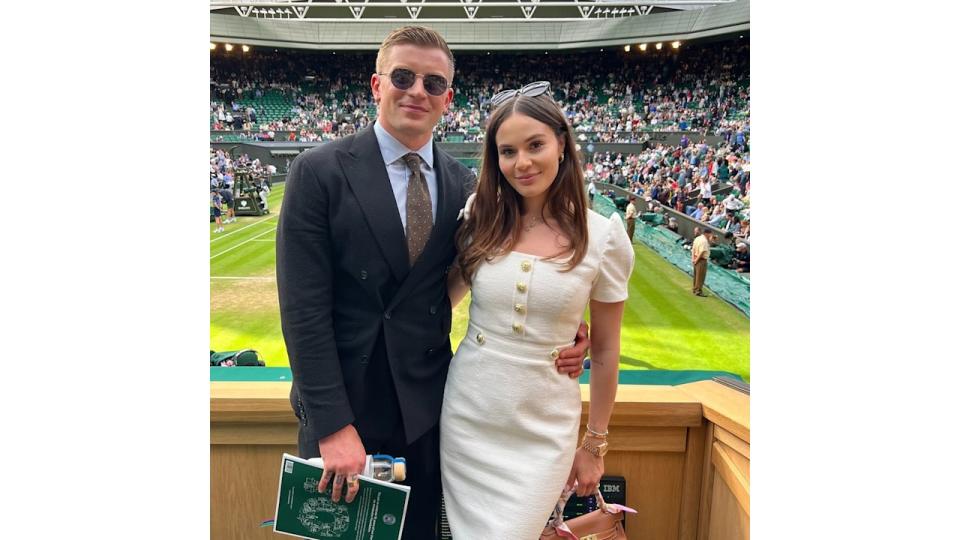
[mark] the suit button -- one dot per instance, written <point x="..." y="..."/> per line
<point x="525" y="266"/>
<point x="430" y="351"/>
<point x="480" y="338"/>
<point x="387" y="315"/>
<point x="364" y="359"/>
<point x="519" y="308"/>
<point x="433" y="310"/>
<point x="517" y="328"/>
<point x="521" y="286"/>
<point x="363" y="274"/>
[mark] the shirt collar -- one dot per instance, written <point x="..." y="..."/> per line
<point x="391" y="149"/>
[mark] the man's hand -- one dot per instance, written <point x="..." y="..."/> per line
<point x="343" y="459"/>
<point x="570" y="360"/>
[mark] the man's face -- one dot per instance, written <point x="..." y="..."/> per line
<point x="411" y="113"/>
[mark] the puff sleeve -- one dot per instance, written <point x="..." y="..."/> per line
<point x="616" y="264"/>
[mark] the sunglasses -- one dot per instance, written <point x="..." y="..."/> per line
<point x="533" y="89"/>
<point x="403" y="79"/>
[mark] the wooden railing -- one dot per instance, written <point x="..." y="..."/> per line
<point x="684" y="451"/>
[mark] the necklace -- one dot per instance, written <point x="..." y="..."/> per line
<point x="533" y="223"/>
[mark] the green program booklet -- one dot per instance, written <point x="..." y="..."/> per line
<point x="377" y="512"/>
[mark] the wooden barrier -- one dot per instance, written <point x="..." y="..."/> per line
<point x="684" y="451"/>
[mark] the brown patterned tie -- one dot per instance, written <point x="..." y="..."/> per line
<point x="419" y="209"/>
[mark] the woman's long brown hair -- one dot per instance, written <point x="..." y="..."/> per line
<point x="493" y="227"/>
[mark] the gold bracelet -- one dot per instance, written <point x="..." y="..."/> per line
<point x="597" y="434"/>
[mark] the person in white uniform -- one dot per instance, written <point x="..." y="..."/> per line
<point x="534" y="257"/>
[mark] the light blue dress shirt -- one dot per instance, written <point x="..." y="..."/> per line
<point x="393" y="151"/>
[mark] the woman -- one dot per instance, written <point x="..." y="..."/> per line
<point x="534" y="257"/>
<point x="718" y="212"/>
<point x="744" y="232"/>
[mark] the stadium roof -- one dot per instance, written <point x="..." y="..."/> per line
<point x="480" y="25"/>
<point x="452" y="10"/>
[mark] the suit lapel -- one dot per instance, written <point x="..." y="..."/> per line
<point x="448" y="206"/>
<point x="367" y="176"/>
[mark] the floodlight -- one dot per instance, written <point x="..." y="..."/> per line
<point x="228" y="47"/>
<point x="659" y="46"/>
<point x="643" y="46"/>
<point x="246" y="48"/>
<point x="626" y="48"/>
<point x="675" y="44"/>
<point x="213" y="45"/>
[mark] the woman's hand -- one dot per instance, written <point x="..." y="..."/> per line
<point x="586" y="471"/>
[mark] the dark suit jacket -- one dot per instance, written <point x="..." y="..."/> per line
<point x="355" y="315"/>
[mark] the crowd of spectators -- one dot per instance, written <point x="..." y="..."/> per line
<point x="223" y="177"/>
<point x="686" y="178"/>
<point x="608" y="96"/>
<point x="223" y="168"/>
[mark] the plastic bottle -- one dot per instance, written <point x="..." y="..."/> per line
<point x="380" y="467"/>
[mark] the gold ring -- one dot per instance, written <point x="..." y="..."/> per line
<point x="353" y="480"/>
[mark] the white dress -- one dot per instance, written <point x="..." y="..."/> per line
<point x="509" y="423"/>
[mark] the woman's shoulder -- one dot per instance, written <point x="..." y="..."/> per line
<point x="597" y="220"/>
<point x="599" y="226"/>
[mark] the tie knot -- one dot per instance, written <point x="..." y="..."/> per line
<point x="413" y="161"/>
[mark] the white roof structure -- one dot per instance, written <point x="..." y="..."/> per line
<point x="453" y="10"/>
<point x="480" y="25"/>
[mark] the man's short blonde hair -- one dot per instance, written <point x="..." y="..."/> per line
<point x="413" y="35"/>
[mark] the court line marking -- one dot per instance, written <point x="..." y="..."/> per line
<point x="242" y="243"/>
<point x="265" y="240"/>
<point x="271" y="216"/>
<point x="254" y="278"/>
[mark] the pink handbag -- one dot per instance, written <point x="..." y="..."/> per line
<point x="605" y="523"/>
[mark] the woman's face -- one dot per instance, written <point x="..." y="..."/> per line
<point x="529" y="154"/>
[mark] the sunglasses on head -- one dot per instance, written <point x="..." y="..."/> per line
<point x="533" y="89"/>
<point x="403" y="79"/>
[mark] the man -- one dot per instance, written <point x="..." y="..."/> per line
<point x="227" y="195"/>
<point x="673" y="224"/>
<point x="701" y="253"/>
<point x="216" y="205"/>
<point x="699" y="212"/>
<point x="631" y="216"/>
<point x="364" y="245"/>
<point x="263" y="191"/>
<point x="705" y="188"/>
<point x="741" y="258"/>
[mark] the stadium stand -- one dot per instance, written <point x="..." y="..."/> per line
<point x="608" y="97"/>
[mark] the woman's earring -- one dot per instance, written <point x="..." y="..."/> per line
<point x="561" y="158"/>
